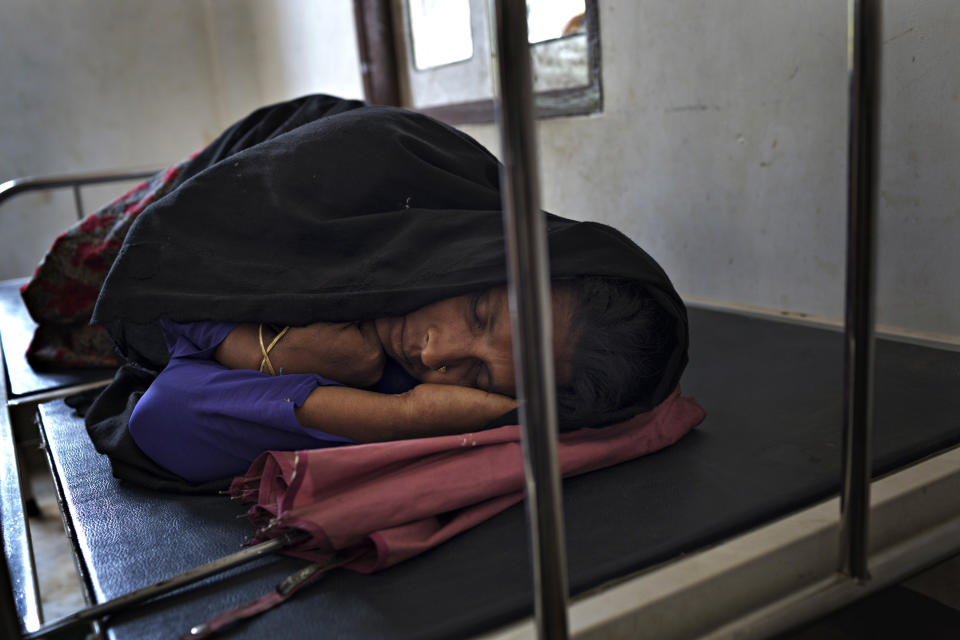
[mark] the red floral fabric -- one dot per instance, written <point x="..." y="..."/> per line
<point x="63" y="290"/>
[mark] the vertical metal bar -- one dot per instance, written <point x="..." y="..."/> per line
<point x="19" y="593"/>
<point x="9" y="627"/>
<point x="531" y="317"/>
<point x="78" y="201"/>
<point x="863" y="67"/>
<point x="378" y="54"/>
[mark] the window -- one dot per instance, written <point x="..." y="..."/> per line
<point x="434" y="56"/>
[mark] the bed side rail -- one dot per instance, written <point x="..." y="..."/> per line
<point x="19" y="595"/>
<point x="20" y="609"/>
<point x="73" y="181"/>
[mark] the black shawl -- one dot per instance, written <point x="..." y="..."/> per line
<point x="322" y="209"/>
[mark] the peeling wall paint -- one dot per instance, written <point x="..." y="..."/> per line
<point x="722" y="151"/>
<point x="721" y="148"/>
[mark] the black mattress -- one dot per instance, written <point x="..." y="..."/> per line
<point x="18" y="329"/>
<point x="770" y="445"/>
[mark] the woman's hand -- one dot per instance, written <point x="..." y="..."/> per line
<point x="426" y="410"/>
<point x="347" y="352"/>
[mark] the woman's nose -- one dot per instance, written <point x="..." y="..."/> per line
<point x="430" y="353"/>
<point x="438" y="350"/>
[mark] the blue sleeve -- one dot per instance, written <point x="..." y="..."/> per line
<point x="194" y="339"/>
<point x="204" y="421"/>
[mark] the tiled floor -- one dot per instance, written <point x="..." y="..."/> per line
<point x="942" y="583"/>
<point x="895" y="613"/>
<point x="59" y="583"/>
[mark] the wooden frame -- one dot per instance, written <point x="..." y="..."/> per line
<point x="378" y="53"/>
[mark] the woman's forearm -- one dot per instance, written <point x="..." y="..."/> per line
<point x="346" y="352"/>
<point x="425" y="410"/>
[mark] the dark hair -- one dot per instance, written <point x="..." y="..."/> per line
<point x="623" y="342"/>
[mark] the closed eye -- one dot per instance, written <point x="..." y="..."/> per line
<point x="475" y="311"/>
<point x="482" y="379"/>
<point x="479" y="317"/>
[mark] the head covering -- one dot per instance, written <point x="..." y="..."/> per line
<point x="322" y="209"/>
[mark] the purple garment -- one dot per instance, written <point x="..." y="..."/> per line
<point x="204" y="421"/>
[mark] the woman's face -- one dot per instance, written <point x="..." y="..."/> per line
<point x="470" y="335"/>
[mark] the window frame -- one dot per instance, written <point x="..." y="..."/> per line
<point x="382" y="43"/>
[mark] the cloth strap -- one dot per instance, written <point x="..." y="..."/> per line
<point x="281" y="593"/>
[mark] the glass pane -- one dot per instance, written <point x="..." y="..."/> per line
<point x="550" y="19"/>
<point x="440" y="32"/>
<point x="560" y="64"/>
<point x="562" y="73"/>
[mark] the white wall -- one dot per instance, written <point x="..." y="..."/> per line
<point x="722" y="150"/>
<point x="93" y="84"/>
<point x="101" y="84"/>
<point x="304" y="46"/>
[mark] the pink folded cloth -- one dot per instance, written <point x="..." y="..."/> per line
<point x="398" y="499"/>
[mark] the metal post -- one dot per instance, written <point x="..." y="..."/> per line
<point x="78" y="201"/>
<point x="9" y="616"/>
<point x="531" y="318"/>
<point x="19" y="594"/>
<point x="863" y="67"/>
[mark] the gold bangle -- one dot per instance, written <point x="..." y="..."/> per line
<point x="265" y="361"/>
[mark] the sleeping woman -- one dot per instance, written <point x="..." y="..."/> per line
<point x="328" y="272"/>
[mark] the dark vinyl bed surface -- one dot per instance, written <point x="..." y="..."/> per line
<point x="770" y="445"/>
<point x="18" y="329"/>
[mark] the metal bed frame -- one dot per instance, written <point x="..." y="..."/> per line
<point x="18" y="404"/>
<point x="19" y="407"/>
<point x="750" y="595"/>
<point x="526" y="248"/>
<point x="73" y="181"/>
<point x="527" y="259"/>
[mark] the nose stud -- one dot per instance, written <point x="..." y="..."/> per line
<point x="441" y="369"/>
